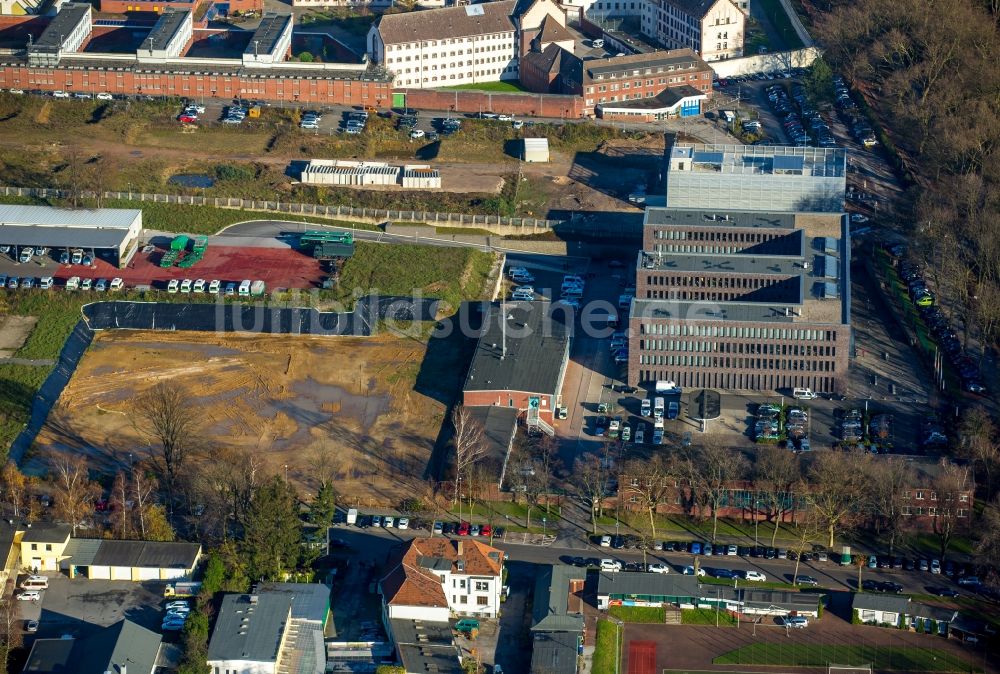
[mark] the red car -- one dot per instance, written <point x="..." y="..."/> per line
<point x="463" y="529"/>
<point x="486" y="530"/>
<point x="187" y="119"/>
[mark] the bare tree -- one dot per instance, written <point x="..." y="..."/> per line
<point x="648" y="483"/>
<point x="712" y="468"/>
<point x="469" y="441"/>
<point x="591" y="478"/>
<point x="861" y="561"/>
<point x="951" y="485"/>
<point x="978" y="443"/>
<point x="75" y="493"/>
<point x="988" y="546"/>
<point x="835" y="490"/>
<point x="121" y="503"/>
<point x="168" y="418"/>
<point x="808" y="528"/>
<point x="142" y="489"/>
<point x="11" y="636"/>
<point x="888" y="483"/>
<point x="775" y="474"/>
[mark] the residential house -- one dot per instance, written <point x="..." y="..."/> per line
<point x="432" y="579"/>
<point x="124" y="646"/>
<point x="557" y="628"/>
<point x="43" y="545"/>
<point x="932" y="619"/>
<point x="881" y="609"/>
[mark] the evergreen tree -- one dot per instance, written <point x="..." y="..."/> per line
<point x="272" y="531"/>
<point x="324" y="506"/>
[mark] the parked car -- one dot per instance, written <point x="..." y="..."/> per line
<point x="612" y="565"/>
<point x="798" y="622"/>
<point x="803" y="579"/>
<point x="755" y="576"/>
<point x="658" y="568"/>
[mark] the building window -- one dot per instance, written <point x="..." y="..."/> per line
<point x="482" y="586"/>
<point x="34" y="546"/>
<point x="464" y="599"/>
<point x="482" y="601"/>
<point x="920" y="496"/>
<point x="48" y="547"/>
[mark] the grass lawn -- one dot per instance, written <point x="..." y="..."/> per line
<point x="892" y="658"/>
<point x="606" y="648"/>
<point x="451" y="274"/>
<point x="497" y="512"/>
<point x="706" y="616"/>
<point x="639" y="614"/>
<point x="18" y="385"/>
<point x="503" y="87"/>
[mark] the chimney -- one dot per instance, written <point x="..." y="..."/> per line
<point x="461" y="549"/>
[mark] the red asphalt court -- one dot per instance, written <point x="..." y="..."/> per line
<point x="277" y="267"/>
<point x="642" y="657"/>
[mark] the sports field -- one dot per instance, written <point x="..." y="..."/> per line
<point x="882" y="658"/>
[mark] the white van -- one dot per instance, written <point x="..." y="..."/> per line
<point x="73" y="283"/>
<point x="658" y="405"/>
<point x="35" y="583"/>
<point x="803" y="394"/>
<point x="597" y="44"/>
<point x="186" y="285"/>
<point x="244" y="289"/>
<point x="173" y="285"/>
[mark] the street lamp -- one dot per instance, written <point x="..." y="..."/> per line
<point x="543" y="526"/>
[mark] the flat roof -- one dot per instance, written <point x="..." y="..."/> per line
<point x="430" y="658"/>
<point x="499" y="426"/>
<point x="421" y="632"/>
<point x="310" y="601"/>
<point x="537" y="346"/>
<point x="817" y="162"/>
<point x="249" y="627"/>
<point x="714" y="217"/>
<point x="732" y="264"/>
<point x="62" y="26"/>
<point x="741" y="312"/>
<point x="265" y="38"/>
<point x="48" y="216"/>
<point x="166" y="29"/>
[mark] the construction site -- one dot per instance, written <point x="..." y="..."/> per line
<point x="372" y="405"/>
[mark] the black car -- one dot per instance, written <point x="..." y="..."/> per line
<point x="771" y="553"/>
<point x="617" y="542"/>
<point x="891" y="586"/>
<point x="743" y="551"/>
<point x="620" y="388"/>
<point x="870" y="585"/>
<point x="757" y="551"/>
<point x="668" y="546"/>
<point x="909" y="565"/>
<point x="722" y="573"/>
<point x="449" y="528"/>
<point x="718" y="550"/>
<point x="943" y="592"/>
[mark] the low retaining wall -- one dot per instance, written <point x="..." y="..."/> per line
<point x="766" y="63"/>
<point x="461" y="100"/>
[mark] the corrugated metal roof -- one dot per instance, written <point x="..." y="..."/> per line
<point x="60" y="237"/>
<point x="82" y="550"/>
<point x="47" y="216"/>
<point x="536" y="144"/>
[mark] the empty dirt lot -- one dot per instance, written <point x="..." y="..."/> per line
<point x="284" y="397"/>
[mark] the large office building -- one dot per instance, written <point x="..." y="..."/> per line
<point x="757" y="178"/>
<point x="742" y="300"/>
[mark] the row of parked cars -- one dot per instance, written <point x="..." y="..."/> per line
<point x="189" y="115"/>
<point x="26" y="282"/>
<point x="858" y="124"/>
<point x="965" y="367"/>
<point x="354" y="123"/>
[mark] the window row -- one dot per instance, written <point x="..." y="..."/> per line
<point x="699" y="330"/>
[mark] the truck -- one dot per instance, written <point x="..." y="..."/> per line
<point x="352" y="516"/>
<point x="181" y="589"/>
<point x="667" y="386"/>
<point x="658" y="405"/>
<point x="257" y="289"/>
<point x="614" y="428"/>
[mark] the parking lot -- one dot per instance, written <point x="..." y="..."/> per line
<point x="76" y="606"/>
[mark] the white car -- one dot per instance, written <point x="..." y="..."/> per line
<point x="417" y="133"/>
<point x="505" y="118"/>
<point x="105" y="96"/>
<point x="60" y="94"/>
<point x="200" y="109"/>
<point x="732" y="550"/>
<point x="46" y="282"/>
<point x="173" y="285"/>
<point x="403" y="523"/>
<point x="214" y="285"/>
<point x="605" y="541"/>
<point x="612" y="565"/>
<point x="755" y="576"/>
<point x="177" y="604"/>
<point x="797" y="621"/>
<point x="689" y="571"/>
<point x="525" y="290"/>
<point x="17" y="91"/>
<point x="29" y="595"/>
<point x="199" y="286"/>
<point x="117" y="283"/>
<point x="658" y="568"/>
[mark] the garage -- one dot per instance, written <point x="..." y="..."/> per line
<point x="95" y="572"/>
<point x="121" y="573"/>
<point x="148" y="573"/>
<point x="130" y="560"/>
<point x="108" y="233"/>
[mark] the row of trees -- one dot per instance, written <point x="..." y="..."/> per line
<point x="832" y="491"/>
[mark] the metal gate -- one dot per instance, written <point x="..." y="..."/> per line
<point x="399" y="101"/>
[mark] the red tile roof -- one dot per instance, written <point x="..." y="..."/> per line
<point x="410" y="582"/>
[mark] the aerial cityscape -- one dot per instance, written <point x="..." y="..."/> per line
<point x="499" y="337"/>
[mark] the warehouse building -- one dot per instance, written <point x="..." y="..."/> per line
<point x="169" y="37"/>
<point x="742" y="300"/>
<point x="757" y="177"/>
<point x="420" y="177"/>
<point x="111" y="233"/>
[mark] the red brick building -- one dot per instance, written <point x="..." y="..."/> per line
<point x="520" y="360"/>
<point x="158" y="6"/>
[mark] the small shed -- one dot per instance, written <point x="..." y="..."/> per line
<point x="535" y="150"/>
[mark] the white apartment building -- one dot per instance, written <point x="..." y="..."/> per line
<point x="435" y="578"/>
<point x="444" y="47"/>
<point x="714" y="29"/>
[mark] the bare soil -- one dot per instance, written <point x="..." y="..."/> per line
<point x="285" y="397"/>
<point x="13" y="331"/>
